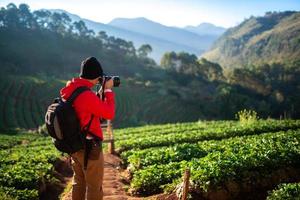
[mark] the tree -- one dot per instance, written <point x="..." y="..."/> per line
<point x="131" y="49"/>
<point x="212" y="71"/>
<point x="82" y="30"/>
<point x="181" y="62"/>
<point x="42" y="18"/>
<point x="26" y="17"/>
<point x="59" y="23"/>
<point x="144" y="50"/>
<point x="102" y="36"/>
<point x="11" y="18"/>
<point x="2" y="14"/>
<point x="168" y="60"/>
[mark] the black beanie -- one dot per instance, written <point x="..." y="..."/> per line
<point x="91" y="68"/>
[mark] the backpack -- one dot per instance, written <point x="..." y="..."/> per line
<point x="63" y="125"/>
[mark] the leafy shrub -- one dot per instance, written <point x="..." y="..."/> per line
<point x="289" y="191"/>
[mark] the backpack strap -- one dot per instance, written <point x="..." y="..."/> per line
<point x="87" y="127"/>
<point x="76" y="93"/>
<point x="87" y="147"/>
<point x="71" y="99"/>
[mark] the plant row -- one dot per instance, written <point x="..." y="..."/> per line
<point x="27" y="166"/>
<point x="290" y="191"/>
<point x="157" y="130"/>
<point x="258" y="155"/>
<point x="8" y="141"/>
<point x="138" y="159"/>
<point x="194" y="136"/>
<point x="23" y="101"/>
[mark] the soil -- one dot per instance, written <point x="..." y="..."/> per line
<point x="113" y="187"/>
<point x="63" y="172"/>
<point x="114" y="184"/>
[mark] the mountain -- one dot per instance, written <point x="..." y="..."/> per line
<point x="271" y="38"/>
<point x="171" y="34"/>
<point x="143" y="31"/>
<point x="206" y="29"/>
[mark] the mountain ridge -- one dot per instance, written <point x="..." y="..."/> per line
<point x="168" y="33"/>
<point x="272" y="38"/>
<point x="206" y="28"/>
<point x="160" y="45"/>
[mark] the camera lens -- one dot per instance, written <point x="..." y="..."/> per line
<point x="117" y="81"/>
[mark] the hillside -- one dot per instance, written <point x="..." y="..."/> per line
<point x="24" y="100"/>
<point x="36" y="60"/>
<point x="272" y="38"/>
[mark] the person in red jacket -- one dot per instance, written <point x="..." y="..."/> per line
<point x="89" y="182"/>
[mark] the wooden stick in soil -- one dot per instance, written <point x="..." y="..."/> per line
<point x="186" y="180"/>
<point x="111" y="137"/>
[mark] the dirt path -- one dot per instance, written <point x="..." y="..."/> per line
<point x="112" y="184"/>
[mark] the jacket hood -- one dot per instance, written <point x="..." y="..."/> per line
<point x="66" y="92"/>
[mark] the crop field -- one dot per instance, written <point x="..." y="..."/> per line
<point x="227" y="159"/>
<point x="26" y="165"/>
<point x="24" y="100"/>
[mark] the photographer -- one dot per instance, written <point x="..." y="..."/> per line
<point x="89" y="109"/>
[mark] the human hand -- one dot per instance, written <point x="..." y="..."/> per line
<point x="109" y="84"/>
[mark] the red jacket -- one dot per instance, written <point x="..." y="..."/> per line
<point x="88" y="104"/>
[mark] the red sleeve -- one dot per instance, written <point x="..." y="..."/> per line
<point x="99" y="108"/>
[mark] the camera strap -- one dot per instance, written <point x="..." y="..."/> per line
<point x="103" y="88"/>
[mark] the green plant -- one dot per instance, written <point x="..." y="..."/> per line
<point x="26" y="160"/>
<point x="285" y="191"/>
<point x="236" y="162"/>
<point x="247" y="116"/>
<point x="211" y="132"/>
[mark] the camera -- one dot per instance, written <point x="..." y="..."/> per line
<point x="116" y="80"/>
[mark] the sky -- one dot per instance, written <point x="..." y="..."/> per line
<point x="180" y="13"/>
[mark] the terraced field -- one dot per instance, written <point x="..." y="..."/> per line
<point x="24" y="100"/>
